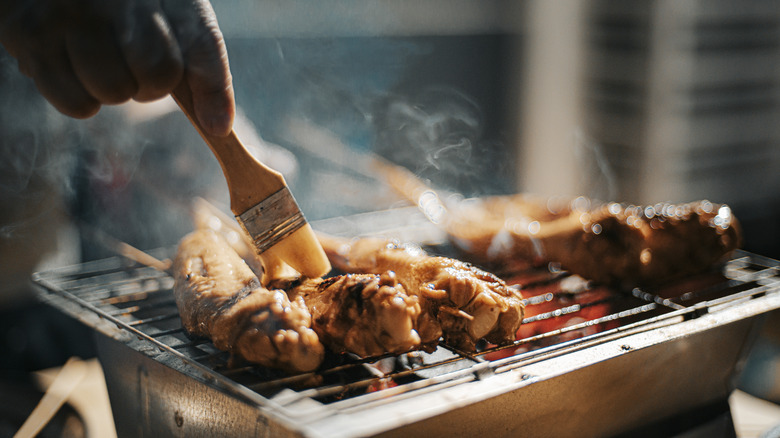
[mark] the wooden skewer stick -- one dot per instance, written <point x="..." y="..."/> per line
<point x="71" y="374"/>
<point x="128" y="251"/>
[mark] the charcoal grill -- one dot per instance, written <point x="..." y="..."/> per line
<point x="590" y="361"/>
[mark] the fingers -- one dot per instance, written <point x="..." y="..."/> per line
<point x="58" y="83"/>
<point x="208" y="76"/>
<point x="207" y="70"/>
<point x="96" y="52"/>
<point x="29" y="33"/>
<point x="150" y="49"/>
<point x="125" y="49"/>
<point x="99" y="65"/>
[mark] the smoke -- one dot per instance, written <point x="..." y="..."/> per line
<point x="442" y="126"/>
<point x="111" y="172"/>
<point x="439" y="134"/>
<point x="36" y="154"/>
<point x="598" y="178"/>
<point x="36" y="163"/>
<point x="133" y="177"/>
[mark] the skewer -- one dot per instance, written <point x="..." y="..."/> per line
<point x="71" y="374"/>
<point x="126" y="250"/>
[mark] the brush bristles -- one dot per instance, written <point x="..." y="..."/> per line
<point x="303" y="252"/>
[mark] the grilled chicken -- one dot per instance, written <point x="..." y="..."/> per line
<point x="285" y="327"/>
<point x="609" y="243"/>
<point x="458" y="301"/>
<point x="365" y="314"/>
<point x="207" y="216"/>
<point x="395" y="299"/>
<point x="220" y="298"/>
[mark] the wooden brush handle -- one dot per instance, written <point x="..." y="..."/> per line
<point x="249" y="181"/>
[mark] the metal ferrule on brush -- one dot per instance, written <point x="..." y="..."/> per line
<point x="272" y="219"/>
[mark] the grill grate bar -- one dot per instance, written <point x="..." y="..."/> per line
<point x="563" y="311"/>
<point x="430" y="383"/>
<point x="688" y="296"/>
<point x="538" y="299"/>
<point x="121" y="291"/>
<point x="639" y="293"/>
<point x="209" y="356"/>
<point x="353" y="363"/>
<point x="554" y="277"/>
<point x="263" y="387"/>
<point x="604" y="319"/>
<point x="193" y="343"/>
<point x="153" y="282"/>
<point x="145" y="306"/>
<point x="756" y="292"/>
<point x="167" y="332"/>
<point x="132" y="297"/>
<point x="153" y="319"/>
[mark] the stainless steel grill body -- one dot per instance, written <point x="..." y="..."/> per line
<point x="656" y="355"/>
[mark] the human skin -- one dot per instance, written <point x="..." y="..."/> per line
<point x="83" y="54"/>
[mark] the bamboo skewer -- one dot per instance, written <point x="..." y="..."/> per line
<point x="71" y="374"/>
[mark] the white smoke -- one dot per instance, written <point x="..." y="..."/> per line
<point x="598" y="179"/>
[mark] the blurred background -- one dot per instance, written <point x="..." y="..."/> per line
<point x="638" y="102"/>
<point x="641" y="103"/>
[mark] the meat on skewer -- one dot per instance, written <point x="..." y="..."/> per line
<point x="607" y="242"/>
<point x="220" y="298"/>
<point x="207" y="216"/>
<point x="458" y="301"/>
<point x="365" y="314"/>
<point x="406" y="301"/>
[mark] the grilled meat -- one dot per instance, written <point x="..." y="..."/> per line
<point x="609" y="243"/>
<point x="219" y="297"/>
<point x="395" y="300"/>
<point x="457" y="300"/>
<point x="365" y="314"/>
<point x="207" y="216"/>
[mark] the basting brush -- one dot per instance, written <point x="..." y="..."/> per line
<point x="262" y="202"/>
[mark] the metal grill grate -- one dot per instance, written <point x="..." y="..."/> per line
<point x="563" y="314"/>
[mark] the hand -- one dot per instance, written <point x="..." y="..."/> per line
<point x="86" y="53"/>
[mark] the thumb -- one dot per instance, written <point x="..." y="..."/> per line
<point x="206" y="67"/>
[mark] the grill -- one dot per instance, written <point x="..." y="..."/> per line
<point x="608" y="361"/>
